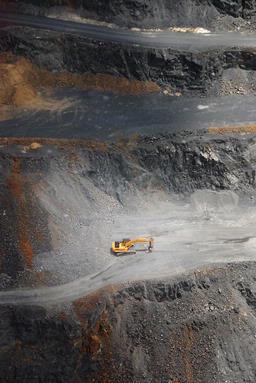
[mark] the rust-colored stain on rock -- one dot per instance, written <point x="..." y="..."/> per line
<point x="60" y="143"/>
<point x="188" y="346"/>
<point x="21" y="80"/>
<point x="16" y="186"/>
<point x="83" y="305"/>
<point x="14" y="180"/>
<point x="233" y="129"/>
<point x="97" y="338"/>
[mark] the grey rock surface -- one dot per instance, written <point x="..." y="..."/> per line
<point x="213" y="14"/>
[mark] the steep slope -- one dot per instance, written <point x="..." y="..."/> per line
<point x="63" y="201"/>
<point x="195" y="328"/>
<point x="187" y="68"/>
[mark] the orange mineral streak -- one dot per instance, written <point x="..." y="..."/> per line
<point x="16" y="186"/>
<point x="233" y="129"/>
<point x="60" y="143"/>
<point x="21" y="82"/>
<point x="99" y="82"/>
<point x="88" y="303"/>
<point x="14" y="180"/>
<point x="188" y="346"/>
<point x="97" y="339"/>
<point x="27" y="250"/>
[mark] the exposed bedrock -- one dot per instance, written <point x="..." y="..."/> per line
<point x="201" y="71"/>
<point x="196" y="328"/>
<point x="56" y="193"/>
<point x="153" y="13"/>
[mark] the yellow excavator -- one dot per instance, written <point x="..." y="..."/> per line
<point x="127" y="246"/>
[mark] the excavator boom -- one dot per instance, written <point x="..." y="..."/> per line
<point x="127" y="246"/>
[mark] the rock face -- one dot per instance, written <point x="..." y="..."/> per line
<point x="39" y="221"/>
<point x="197" y="328"/>
<point x="154" y="13"/>
<point x="200" y="72"/>
<point x="166" y="13"/>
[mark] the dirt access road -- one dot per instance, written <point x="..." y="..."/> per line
<point x="187" y="235"/>
<point x="108" y="116"/>
<point x="94" y="115"/>
<point x="210" y="228"/>
<point x="161" y="39"/>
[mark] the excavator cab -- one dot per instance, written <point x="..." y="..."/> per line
<point x="127" y="246"/>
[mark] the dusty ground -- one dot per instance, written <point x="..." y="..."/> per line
<point x="63" y="202"/>
<point x="108" y="116"/>
<point x="19" y="89"/>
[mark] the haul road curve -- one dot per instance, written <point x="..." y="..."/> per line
<point x="163" y="39"/>
<point x="201" y="236"/>
<point x="107" y="116"/>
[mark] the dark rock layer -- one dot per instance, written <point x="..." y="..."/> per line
<point x="190" y="71"/>
<point x="197" y="328"/>
<point x="153" y="13"/>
